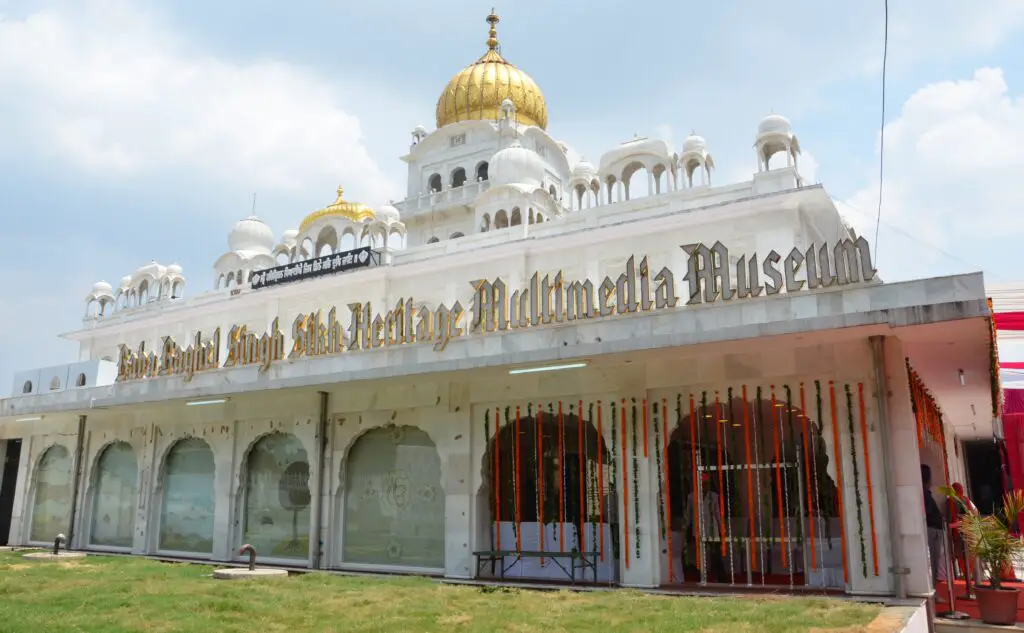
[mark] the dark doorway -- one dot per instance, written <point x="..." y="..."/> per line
<point x="985" y="472"/>
<point x="8" y="484"/>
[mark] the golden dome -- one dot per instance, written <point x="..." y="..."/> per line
<point x="354" y="211"/>
<point x="477" y="91"/>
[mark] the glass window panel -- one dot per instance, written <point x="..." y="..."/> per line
<point x="51" y="508"/>
<point x="277" y="497"/>
<point x="394" y="502"/>
<point x="186" y="519"/>
<point x="114" y="497"/>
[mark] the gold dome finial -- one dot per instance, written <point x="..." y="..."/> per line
<point x="341" y="191"/>
<point x="478" y="90"/>
<point x="492" y="39"/>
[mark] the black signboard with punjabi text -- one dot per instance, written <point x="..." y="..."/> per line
<point x="363" y="257"/>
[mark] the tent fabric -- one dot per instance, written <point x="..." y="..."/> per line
<point x="1009" y="321"/>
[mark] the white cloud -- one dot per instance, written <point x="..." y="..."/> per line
<point x="112" y="91"/>
<point x="953" y="162"/>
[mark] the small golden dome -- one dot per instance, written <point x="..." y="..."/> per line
<point x="477" y="91"/>
<point x="354" y="211"/>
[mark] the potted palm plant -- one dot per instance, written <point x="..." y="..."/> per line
<point x="990" y="540"/>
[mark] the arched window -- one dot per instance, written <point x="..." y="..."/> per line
<point x="456" y="235"/>
<point x="80" y="380"/>
<point x="186" y="514"/>
<point x="394" y="502"/>
<point x="570" y="484"/>
<point x="481" y="171"/>
<point x="433" y="240"/>
<point x="540" y="218"/>
<point x="501" y="219"/>
<point x="458" y="177"/>
<point x="517" y="217"/>
<point x="532" y="219"/>
<point x="54" y="383"/>
<point x="27" y="387"/>
<point x="114" y="497"/>
<point x="434" y="184"/>
<point x="553" y="192"/>
<point x="230" y="280"/>
<point x="485" y="223"/>
<point x="51" y="507"/>
<point x="277" y="497"/>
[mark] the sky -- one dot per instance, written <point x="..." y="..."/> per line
<point x="134" y="131"/>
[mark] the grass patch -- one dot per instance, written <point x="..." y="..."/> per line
<point x="113" y="594"/>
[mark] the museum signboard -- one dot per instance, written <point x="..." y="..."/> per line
<point x="547" y="299"/>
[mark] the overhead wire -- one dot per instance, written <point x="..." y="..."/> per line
<point x="881" y="143"/>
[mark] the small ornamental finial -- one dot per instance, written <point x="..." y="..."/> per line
<point x="340" y="191"/>
<point x="492" y="39"/>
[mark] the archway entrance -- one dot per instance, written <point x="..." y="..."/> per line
<point x="548" y="491"/>
<point x="749" y="492"/>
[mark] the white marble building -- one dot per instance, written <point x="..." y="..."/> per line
<point x="372" y="447"/>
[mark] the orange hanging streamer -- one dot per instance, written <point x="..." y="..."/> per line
<point x="696" y="492"/>
<point x="583" y="503"/>
<point x="867" y="474"/>
<point x="645" y="428"/>
<point x="668" y="491"/>
<point x="497" y="479"/>
<point x="721" y="487"/>
<point x="561" y="479"/>
<point x="625" y="486"/>
<point x="807" y="478"/>
<point x="540" y="477"/>
<point x="600" y="479"/>
<point x="838" y="454"/>
<point x="750" y="482"/>
<point x="519" y="491"/>
<point x="778" y="479"/>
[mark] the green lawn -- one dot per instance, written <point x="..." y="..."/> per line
<point x="106" y="594"/>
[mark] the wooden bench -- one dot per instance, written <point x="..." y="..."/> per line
<point x="577" y="560"/>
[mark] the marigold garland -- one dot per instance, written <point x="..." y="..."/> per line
<point x="613" y="481"/>
<point x="657" y="459"/>
<point x="590" y="471"/>
<point x="679" y="425"/>
<point x="856" y="482"/>
<point x="668" y="492"/>
<point x="625" y="486"/>
<point x="824" y="510"/>
<point x="789" y="423"/>
<point x="490" y="474"/>
<point x="838" y="447"/>
<point x="636" y="483"/>
<point x="515" y="482"/>
<point x="993" y="369"/>
<point x="497" y="478"/>
<point x="867" y="476"/>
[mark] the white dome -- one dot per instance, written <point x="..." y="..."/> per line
<point x="251" y="234"/>
<point x="516" y="165"/>
<point x="419" y="129"/>
<point x="102" y="288"/>
<point x="151" y="269"/>
<point x="388" y="213"/>
<point x="126" y="281"/>
<point x="174" y="269"/>
<point x="775" y="124"/>
<point x="290" y="237"/>
<point x="584" y="170"/>
<point x="694" y="143"/>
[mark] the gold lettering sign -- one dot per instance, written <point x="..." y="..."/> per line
<point x="202" y="355"/>
<point x="546" y="299"/>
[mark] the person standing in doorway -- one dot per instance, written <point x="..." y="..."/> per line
<point x="933" y="522"/>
